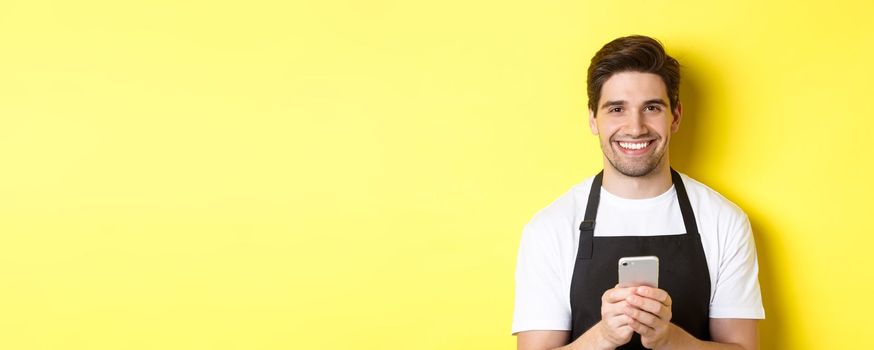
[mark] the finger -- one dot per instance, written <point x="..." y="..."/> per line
<point x="617" y="294"/>
<point x="643" y="317"/>
<point x="659" y="295"/>
<point x="615" y="308"/>
<point x="649" y="305"/>
<point x="625" y="332"/>
<point x="618" y="321"/>
<point x="617" y="329"/>
<point x="641" y="328"/>
<point x="612" y="310"/>
<point x="646" y="304"/>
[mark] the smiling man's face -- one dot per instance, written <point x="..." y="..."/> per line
<point x="634" y="122"/>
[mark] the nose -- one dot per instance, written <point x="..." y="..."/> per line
<point x="636" y="126"/>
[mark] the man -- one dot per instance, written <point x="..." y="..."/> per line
<point x="566" y="278"/>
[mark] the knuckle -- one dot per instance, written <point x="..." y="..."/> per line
<point x="641" y="316"/>
<point x="649" y="307"/>
<point x="620" y="305"/>
<point x="644" y="316"/>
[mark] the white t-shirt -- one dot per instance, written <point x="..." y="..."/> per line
<point x="548" y="249"/>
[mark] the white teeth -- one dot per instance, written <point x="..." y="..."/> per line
<point x="633" y="145"/>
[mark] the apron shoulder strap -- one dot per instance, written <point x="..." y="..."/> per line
<point x="685" y="205"/>
<point x="587" y="227"/>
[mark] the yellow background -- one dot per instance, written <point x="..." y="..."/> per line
<point x="356" y="174"/>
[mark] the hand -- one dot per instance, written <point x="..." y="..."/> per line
<point x="614" y="326"/>
<point x="650" y="312"/>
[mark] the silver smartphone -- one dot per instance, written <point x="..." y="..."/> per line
<point x="639" y="271"/>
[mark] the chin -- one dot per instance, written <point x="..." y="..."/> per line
<point x="636" y="170"/>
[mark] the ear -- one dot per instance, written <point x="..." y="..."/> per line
<point x="592" y="123"/>
<point x="678" y="116"/>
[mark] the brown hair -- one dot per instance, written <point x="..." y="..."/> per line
<point x="636" y="53"/>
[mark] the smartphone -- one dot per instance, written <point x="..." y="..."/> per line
<point x="639" y="271"/>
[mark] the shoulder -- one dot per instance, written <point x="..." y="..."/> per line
<point x="560" y="215"/>
<point x="723" y="225"/>
<point x="709" y="203"/>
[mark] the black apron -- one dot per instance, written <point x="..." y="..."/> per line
<point x="683" y="271"/>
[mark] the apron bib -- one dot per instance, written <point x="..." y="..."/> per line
<point x="683" y="271"/>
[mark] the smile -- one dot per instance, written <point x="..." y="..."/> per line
<point x="633" y="145"/>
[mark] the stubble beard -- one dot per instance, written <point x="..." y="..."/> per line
<point x="640" y="167"/>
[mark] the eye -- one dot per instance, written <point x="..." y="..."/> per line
<point x="653" y="108"/>
<point x="614" y="110"/>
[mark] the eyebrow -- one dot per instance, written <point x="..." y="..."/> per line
<point x="656" y="101"/>
<point x="612" y="103"/>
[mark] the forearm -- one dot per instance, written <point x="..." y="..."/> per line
<point x="681" y="340"/>
<point x="592" y="339"/>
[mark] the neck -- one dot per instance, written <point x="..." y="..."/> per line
<point x="640" y="187"/>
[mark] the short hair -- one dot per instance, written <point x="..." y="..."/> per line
<point x="636" y="53"/>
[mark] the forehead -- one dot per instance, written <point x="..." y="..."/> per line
<point x="633" y="86"/>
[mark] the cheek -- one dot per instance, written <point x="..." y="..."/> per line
<point x="613" y="130"/>
<point x="663" y="127"/>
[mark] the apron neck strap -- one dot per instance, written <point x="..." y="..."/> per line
<point x="685" y="205"/>
<point x="587" y="227"/>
